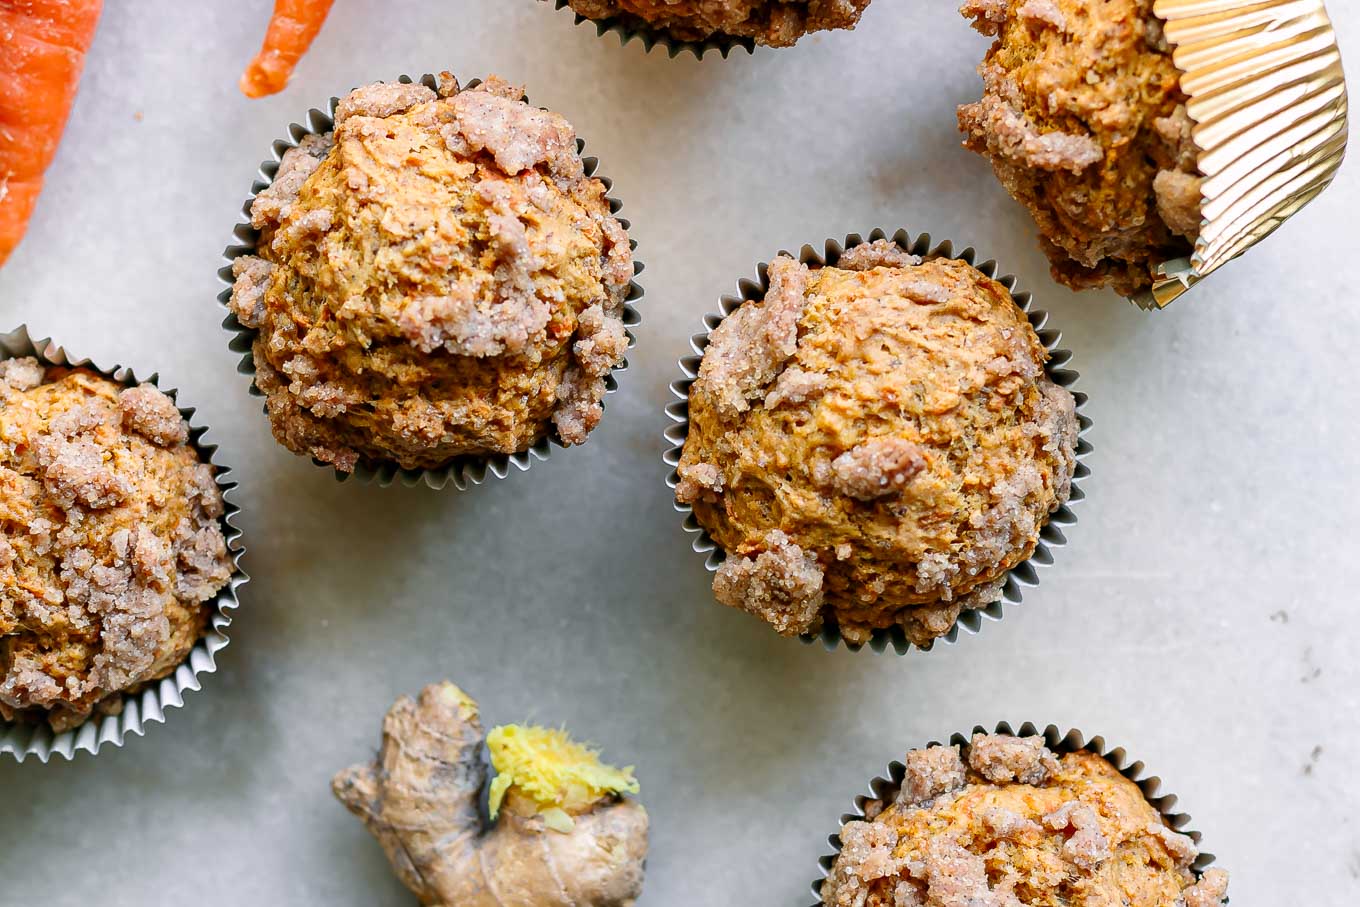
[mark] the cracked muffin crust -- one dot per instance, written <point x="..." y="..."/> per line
<point x="1083" y="119"/>
<point x="1005" y="822"/>
<point x="774" y="23"/>
<point x="436" y="278"/>
<point x="874" y="444"/>
<point x="112" y="546"/>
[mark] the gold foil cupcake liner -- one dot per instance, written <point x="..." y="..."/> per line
<point x="883" y="789"/>
<point x="149" y="705"/>
<point x="1268" y="99"/>
<point x="460" y="472"/>
<point x="628" y="30"/>
<point x="1051" y="537"/>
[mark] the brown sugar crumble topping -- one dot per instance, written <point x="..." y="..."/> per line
<point x="774" y="23"/>
<point x="112" y="544"/>
<point x="1084" y="121"/>
<point x="437" y="277"/>
<point x="874" y="444"/>
<point x="781" y="584"/>
<point x="1007" y="822"/>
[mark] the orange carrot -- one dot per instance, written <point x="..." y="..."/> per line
<point x="291" y="30"/>
<point x="42" y="50"/>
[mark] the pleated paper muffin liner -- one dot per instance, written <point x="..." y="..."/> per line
<point x="884" y="788"/>
<point x="149" y="705"/>
<point x="1268" y="99"/>
<point x="461" y="471"/>
<point x="1018" y="578"/>
<point x="628" y="30"/>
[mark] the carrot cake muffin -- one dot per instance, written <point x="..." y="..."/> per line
<point x="437" y="277"/>
<point x="1005" y="822"/>
<point x="874" y="444"/>
<point x="1084" y="121"/>
<point x="775" y="23"/>
<point x="112" y="547"/>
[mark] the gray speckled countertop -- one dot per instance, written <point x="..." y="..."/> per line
<point x="1203" y="613"/>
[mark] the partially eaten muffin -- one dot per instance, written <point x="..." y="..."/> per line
<point x="1084" y="121"/>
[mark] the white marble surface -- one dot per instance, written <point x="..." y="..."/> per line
<point x="1203" y="613"/>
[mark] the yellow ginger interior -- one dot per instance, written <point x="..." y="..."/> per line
<point x="544" y="771"/>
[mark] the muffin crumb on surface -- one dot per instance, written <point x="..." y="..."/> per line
<point x="112" y="542"/>
<point x="892" y="423"/>
<point x="436" y="278"/>
<point x="1077" y="832"/>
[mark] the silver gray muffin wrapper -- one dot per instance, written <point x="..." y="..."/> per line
<point x="461" y="471"/>
<point x="1051" y="537"/>
<point x="722" y="45"/>
<point x="149" y="706"/>
<point x="884" y="788"/>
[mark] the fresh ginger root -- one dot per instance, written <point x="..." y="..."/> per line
<point x="562" y="834"/>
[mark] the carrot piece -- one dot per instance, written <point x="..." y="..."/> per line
<point x="291" y="30"/>
<point x="42" y="51"/>
<point x="16" y="207"/>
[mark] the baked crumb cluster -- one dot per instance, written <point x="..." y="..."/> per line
<point x="1084" y="122"/>
<point x="1005" y="822"/>
<point x="437" y="277"/>
<point x="775" y="23"/>
<point x="112" y="544"/>
<point x="874" y="444"/>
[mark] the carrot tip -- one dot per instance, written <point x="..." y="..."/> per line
<point x="252" y="86"/>
<point x="291" y="29"/>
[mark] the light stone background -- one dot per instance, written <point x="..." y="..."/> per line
<point x="1203" y="613"/>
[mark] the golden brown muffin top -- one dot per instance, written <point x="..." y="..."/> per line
<point x="438" y="277"/>
<point x="775" y="23"/>
<point x="111" y="541"/>
<point x="1084" y="122"/>
<point x="1005" y="822"/>
<point x="874" y="444"/>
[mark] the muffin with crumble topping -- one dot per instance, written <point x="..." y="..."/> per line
<point x="437" y="277"/>
<point x="772" y="23"/>
<point x="1004" y="821"/>
<point x="874" y="444"/>
<point x="112" y="548"/>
